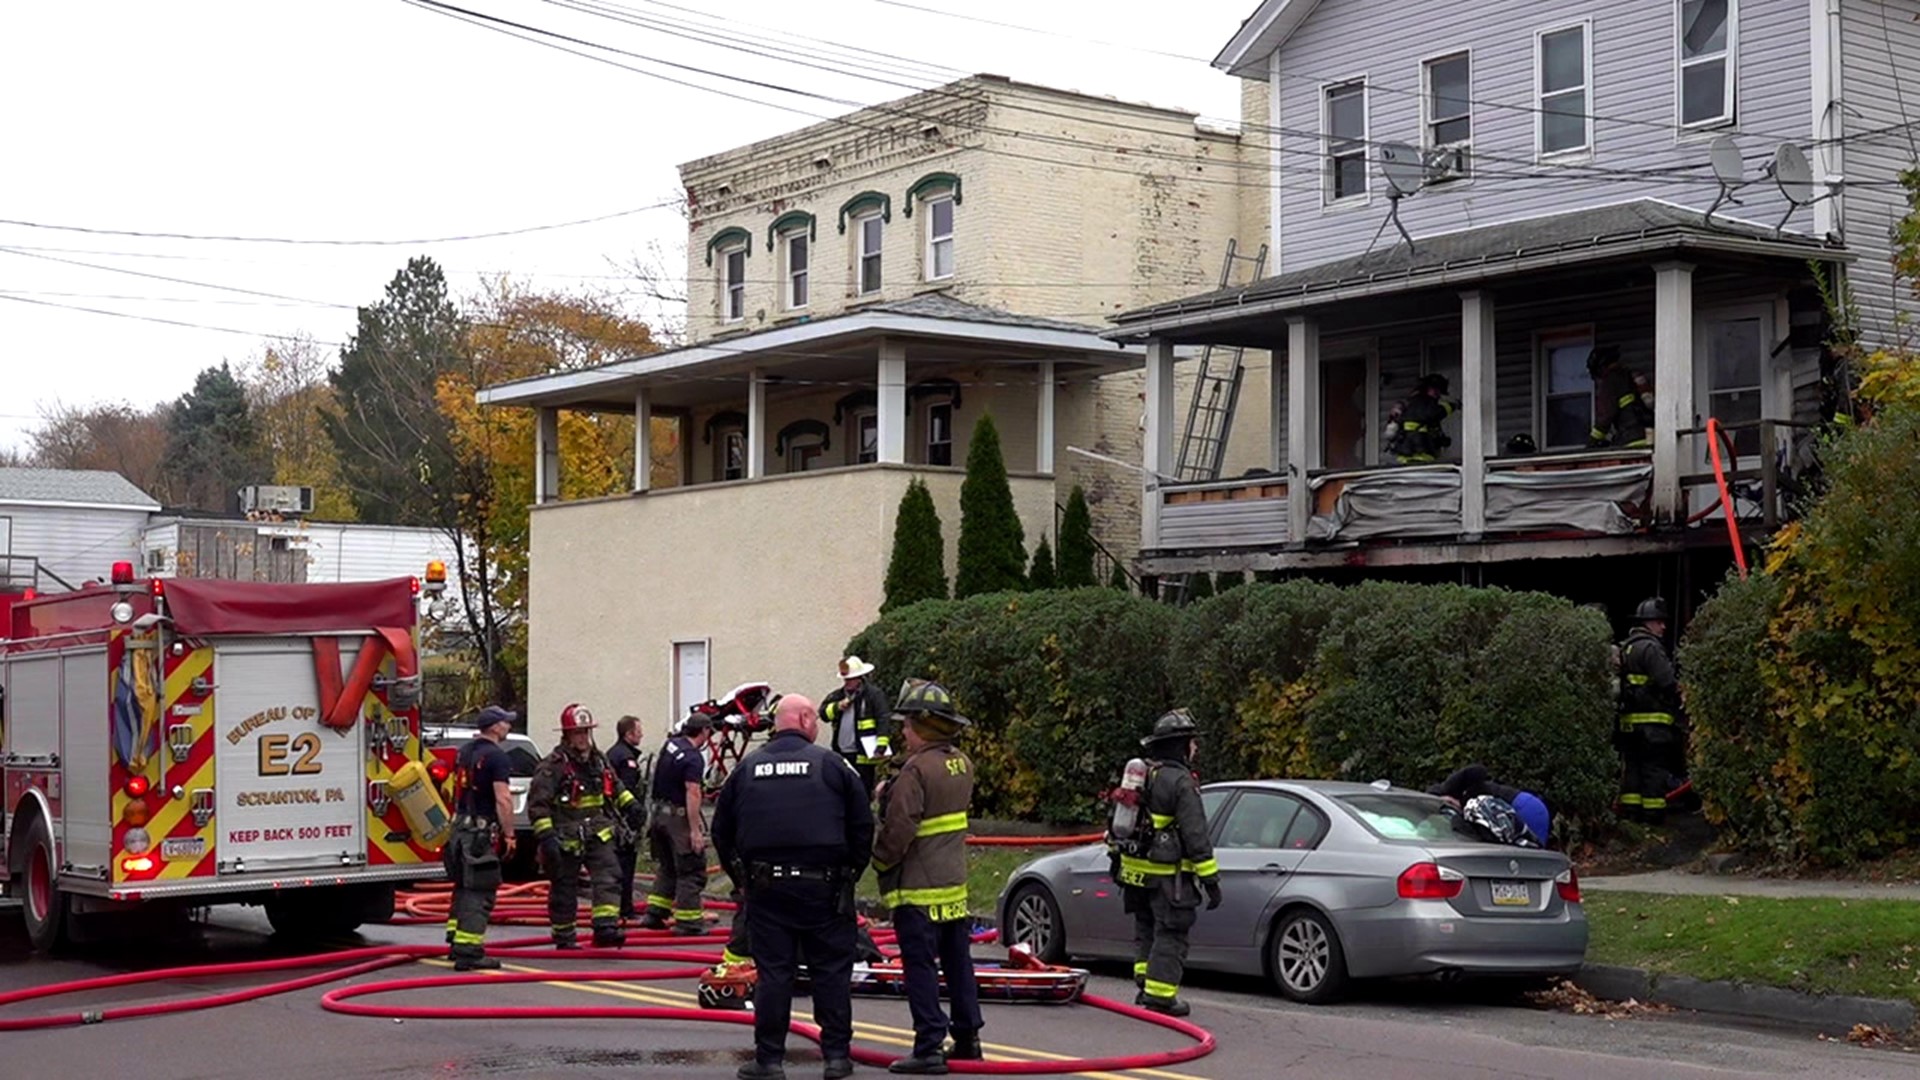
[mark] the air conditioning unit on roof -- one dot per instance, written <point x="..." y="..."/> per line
<point x="276" y="499"/>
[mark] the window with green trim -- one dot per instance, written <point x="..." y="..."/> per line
<point x="733" y="296"/>
<point x="939" y="258"/>
<point x="869" y="234"/>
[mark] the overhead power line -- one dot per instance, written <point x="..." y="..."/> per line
<point x="340" y="243"/>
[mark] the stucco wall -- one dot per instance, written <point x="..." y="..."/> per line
<point x="779" y="573"/>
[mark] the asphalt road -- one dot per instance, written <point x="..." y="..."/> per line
<point x="1412" y="1030"/>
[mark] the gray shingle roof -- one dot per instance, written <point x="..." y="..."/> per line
<point x="1593" y="229"/>
<point x="939" y="306"/>
<point x="87" y="487"/>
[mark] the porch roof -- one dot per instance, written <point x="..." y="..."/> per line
<point x="934" y="327"/>
<point x="1578" y="238"/>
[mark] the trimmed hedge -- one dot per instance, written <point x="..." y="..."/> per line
<point x="1296" y="679"/>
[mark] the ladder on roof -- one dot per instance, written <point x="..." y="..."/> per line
<point x="1216" y="393"/>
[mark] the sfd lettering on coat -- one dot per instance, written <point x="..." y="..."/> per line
<point x="782" y="768"/>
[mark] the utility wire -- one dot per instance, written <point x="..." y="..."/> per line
<point x="340" y="243"/>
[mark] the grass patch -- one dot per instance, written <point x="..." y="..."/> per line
<point x="1823" y="946"/>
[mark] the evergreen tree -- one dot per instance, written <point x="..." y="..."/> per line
<point x="394" y="443"/>
<point x="993" y="553"/>
<point x="1118" y="579"/>
<point x="917" y="571"/>
<point x="1076" y="543"/>
<point x="1042" y="575"/>
<point x="213" y="446"/>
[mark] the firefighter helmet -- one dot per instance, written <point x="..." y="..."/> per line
<point x="853" y="668"/>
<point x="575" y="717"/>
<point x="728" y="986"/>
<point x="1601" y="358"/>
<point x="1177" y="724"/>
<point x="1434" y="381"/>
<point x="1651" y="609"/>
<point x="923" y="698"/>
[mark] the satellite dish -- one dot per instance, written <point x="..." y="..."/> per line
<point x="1402" y="167"/>
<point x="1794" y="175"/>
<point x="1725" y="154"/>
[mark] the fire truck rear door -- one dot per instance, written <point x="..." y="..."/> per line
<point x="290" y="790"/>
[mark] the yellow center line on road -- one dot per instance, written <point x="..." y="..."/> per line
<point x="865" y="1031"/>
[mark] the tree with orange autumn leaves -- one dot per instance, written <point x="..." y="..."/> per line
<point x="517" y="333"/>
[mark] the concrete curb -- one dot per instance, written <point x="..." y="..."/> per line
<point x="1831" y="1014"/>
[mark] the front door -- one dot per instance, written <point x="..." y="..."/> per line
<point x="1735" y="381"/>
<point x="1345" y="411"/>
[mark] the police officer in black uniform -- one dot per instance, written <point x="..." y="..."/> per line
<point x="625" y="759"/>
<point x="794" y="823"/>
<point x="473" y="853"/>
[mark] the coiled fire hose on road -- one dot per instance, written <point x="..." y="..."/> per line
<point x="524" y="904"/>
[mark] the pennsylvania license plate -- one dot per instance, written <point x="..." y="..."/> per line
<point x="1512" y="894"/>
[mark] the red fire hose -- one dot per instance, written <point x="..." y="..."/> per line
<point x="425" y="906"/>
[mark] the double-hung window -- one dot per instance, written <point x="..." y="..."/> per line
<point x="940" y="433"/>
<point x="734" y="295"/>
<point x="869" y="232"/>
<point x="1564" y="80"/>
<point x="1449" y="114"/>
<point x="1566" y="389"/>
<point x="799" y="251"/>
<point x="1346" y="145"/>
<point x="939" y="238"/>
<point x="1706" y="77"/>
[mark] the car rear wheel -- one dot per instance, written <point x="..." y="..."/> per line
<point x="1308" y="962"/>
<point x="1033" y="920"/>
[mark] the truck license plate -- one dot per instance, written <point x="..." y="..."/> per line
<point x="1512" y="894"/>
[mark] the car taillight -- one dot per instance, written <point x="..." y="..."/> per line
<point x="1430" y="881"/>
<point x="1567" y="884"/>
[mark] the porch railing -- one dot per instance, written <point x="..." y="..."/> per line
<point x="1770" y="470"/>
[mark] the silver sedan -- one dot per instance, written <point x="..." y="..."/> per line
<point x="1326" y="882"/>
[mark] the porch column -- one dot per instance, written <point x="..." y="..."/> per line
<point x="546" y="455"/>
<point x="1480" y="407"/>
<point x="1672" y="385"/>
<point x="756" y="424"/>
<point x="1157" y="442"/>
<point x="892" y="403"/>
<point x="1303" y="420"/>
<point x="642" y="440"/>
<point x="1043" y="422"/>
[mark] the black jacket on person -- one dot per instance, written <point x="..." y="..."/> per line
<point x="794" y="803"/>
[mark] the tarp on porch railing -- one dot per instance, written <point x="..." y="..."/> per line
<point x="1421" y="500"/>
<point x="1583" y="500"/>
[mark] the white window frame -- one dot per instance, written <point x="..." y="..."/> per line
<point x="1427" y="120"/>
<point x="730" y="290"/>
<point x="728" y="435"/>
<point x="1585" y="26"/>
<point x="795" y="463"/>
<point x="1327" y="170"/>
<point x="1541" y="339"/>
<point x="796" y="283"/>
<point x="934" y="240"/>
<point x="861" y="255"/>
<point x="855" y="455"/>
<point x="930" y="443"/>
<point x="1728" y="58"/>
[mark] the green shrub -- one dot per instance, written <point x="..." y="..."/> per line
<point x="1735" y="744"/>
<point x="917" y="569"/>
<point x="1041" y="575"/>
<point x="993" y="553"/>
<point x="1076" y="551"/>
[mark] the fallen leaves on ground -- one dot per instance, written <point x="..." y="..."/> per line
<point x="1866" y="1035"/>
<point x="1567" y="997"/>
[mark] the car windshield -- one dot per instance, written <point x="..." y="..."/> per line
<point x="1404" y="816"/>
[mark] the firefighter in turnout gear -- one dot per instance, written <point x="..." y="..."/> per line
<point x="1164" y="863"/>
<point x="1415" y="432"/>
<point x="1649" y="716"/>
<point x="572" y="801"/>
<point x="856" y="711"/>
<point x="626" y="761"/>
<point x="1622" y="401"/>
<point x="676" y="833"/>
<point x="473" y="853"/>
<point x="920" y="855"/>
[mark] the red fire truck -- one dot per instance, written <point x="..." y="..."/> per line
<point x="194" y="742"/>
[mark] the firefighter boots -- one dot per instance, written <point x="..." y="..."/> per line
<point x="476" y="963"/>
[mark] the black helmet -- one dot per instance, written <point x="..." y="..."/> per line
<point x="1177" y="724"/>
<point x="1602" y="357"/>
<point x="924" y="700"/>
<point x="1651" y="608"/>
<point x="1432" y="382"/>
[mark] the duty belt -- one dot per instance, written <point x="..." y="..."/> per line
<point x="828" y="874"/>
<point x="676" y="809"/>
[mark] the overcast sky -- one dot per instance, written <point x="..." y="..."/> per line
<point x="380" y="120"/>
